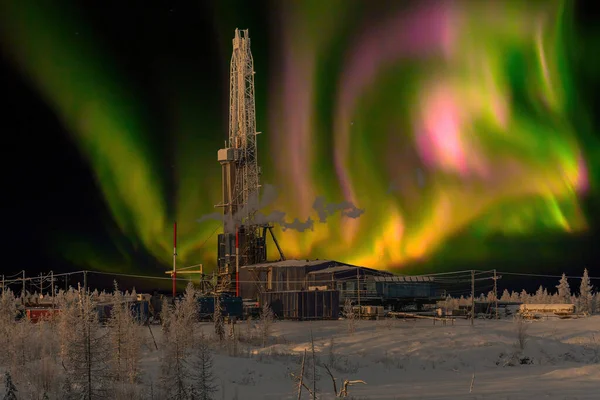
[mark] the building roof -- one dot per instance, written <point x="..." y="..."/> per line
<point x="328" y="266"/>
<point x="290" y="263"/>
<point x="346" y="268"/>
<point x="405" y="278"/>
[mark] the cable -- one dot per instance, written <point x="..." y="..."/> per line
<point x="17" y="274"/>
<point x="208" y="238"/>
<point x="544" y="275"/>
<point x="136" y="276"/>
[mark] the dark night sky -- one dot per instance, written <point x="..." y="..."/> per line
<point x="48" y="186"/>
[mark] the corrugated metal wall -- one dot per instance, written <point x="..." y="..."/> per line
<point x="407" y="289"/>
<point x="304" y="305"/>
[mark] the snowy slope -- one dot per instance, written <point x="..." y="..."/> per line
<point x="415" y="359"/>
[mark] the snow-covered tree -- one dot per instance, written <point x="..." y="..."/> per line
<point x="87" y="352"/>
<point x="125" y="339"/>
<point x="179" y="340"/>
<point x="42" y="371"/>
<point x="20" y="348"/>
<point x="116" y="324"/>
<point x="539" y="296"/>
<point x="564" y="290"/>
<point x="166" y="311"/>
<point x="505" y="295"/>
<point x="190" y="308"/>
<point x="8" y="312"/>
<point x="266" y="321"/>
<point x="67" y="318"/>
<point x="203" y="378"/>
<point x="349" y="315"/>
<point x="514" y="297"/>
<point x="585" y="293"/>
<point x="218" y="320"/>
<point x="524" y="297"/>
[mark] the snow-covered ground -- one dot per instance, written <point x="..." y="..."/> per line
<point x="415" y="359"/>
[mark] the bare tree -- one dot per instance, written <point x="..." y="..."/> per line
<point x="125" y="339"/>
<point x="521" y="331"/>
<point x="42" y="371"/>
<point x="350" y="317"/>
<point x="179" y="340"/>
<point x="21" y="351"/>
<point x="266" y="322"/>
<point x="218" y="320"/>
<point x="8" y="312"/>
<point x="117" y="332"/>
<point x="343" y="393"/>
<point x="87" y="353"/>
<point x="203" y="377"/>
<point x="166" y="311"/>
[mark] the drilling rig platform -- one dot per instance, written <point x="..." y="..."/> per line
<point x="243" y="241"/>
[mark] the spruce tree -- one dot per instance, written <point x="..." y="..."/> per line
<point x="524" y="297"/>
<point x="585" y="293"/>
<point x="564" y="291"/>
<point x="539" y="295"/>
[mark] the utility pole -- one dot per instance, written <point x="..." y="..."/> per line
<point x="496" y="292"/>
<point x="358" y="291"/>
<point x="85" y="289"/>
<point x="174" y="275"/>
<point x="52" y="286"/>
<point x="23" y="291"/>
<point x="472" y="297"/>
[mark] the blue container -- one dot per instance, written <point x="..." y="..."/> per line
<point x="140" y="311"/>
<point x="230" y="306"/>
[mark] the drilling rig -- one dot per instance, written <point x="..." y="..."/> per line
<point x="243" y="241"/>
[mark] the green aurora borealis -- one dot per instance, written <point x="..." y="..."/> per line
<point x="448" y="122"/>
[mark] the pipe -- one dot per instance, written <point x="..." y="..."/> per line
<point x="174" y="275"/>
<point x="237" y="262"/>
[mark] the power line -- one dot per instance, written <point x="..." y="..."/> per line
<point x="544" y="275"/>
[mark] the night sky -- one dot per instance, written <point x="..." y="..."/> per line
<point x="471" y="147"/>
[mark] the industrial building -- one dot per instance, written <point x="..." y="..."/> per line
<point x="302" y="289"/>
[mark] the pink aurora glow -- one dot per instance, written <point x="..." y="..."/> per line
<point x="422" y="32"/>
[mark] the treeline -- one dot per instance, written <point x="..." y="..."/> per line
<point x="72" y="355"/>
<point x="587" y="300"/>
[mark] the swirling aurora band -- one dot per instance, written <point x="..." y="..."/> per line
<point x="442" y="119"/>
